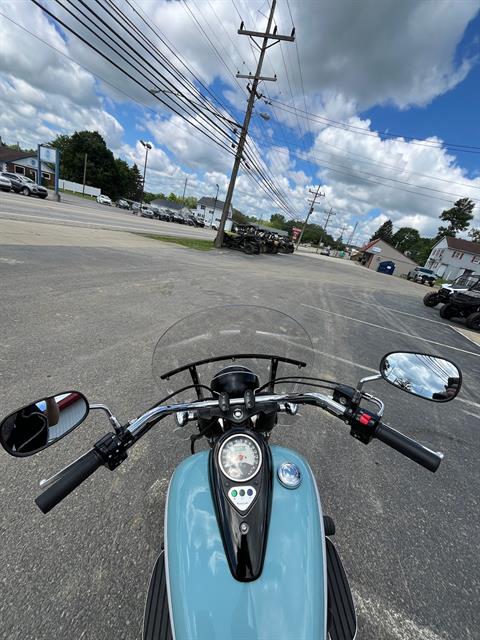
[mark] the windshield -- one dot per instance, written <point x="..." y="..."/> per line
<point x="422" y="270"/>
<point x="246" y="335"/>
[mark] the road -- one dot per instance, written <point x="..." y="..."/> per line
<point x="75" y="211"/>
<point x="85" y="310"/>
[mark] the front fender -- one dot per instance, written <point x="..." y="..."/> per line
<point x="206" y="602"/>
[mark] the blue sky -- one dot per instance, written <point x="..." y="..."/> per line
<point x="409" y="68"/>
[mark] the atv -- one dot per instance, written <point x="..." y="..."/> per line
<point x="460" y="284"/>
<point x="464" y="304"/>
<point x="242" y="239"/>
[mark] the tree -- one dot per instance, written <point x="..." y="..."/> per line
<point x="458" y="216"/>
<point x="101" y="167"/>
<point x="384" y="231"/>
<point x="277" y="220"/>
<point x="405" y="239"/>
<point x="474" y="235"/>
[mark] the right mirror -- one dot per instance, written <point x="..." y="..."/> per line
<point x="422" y="375"/>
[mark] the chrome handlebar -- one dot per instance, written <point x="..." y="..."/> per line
<point x="140" y="425"/>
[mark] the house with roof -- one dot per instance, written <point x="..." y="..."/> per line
<point x="210" y="211"/>
<point x="164" y="203"/>
<point x="453" y="257"/>
<point x="377" y="251"/>
<point x="25" y="163"/>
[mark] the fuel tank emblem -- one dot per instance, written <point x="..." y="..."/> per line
<point x="289" y="475"/>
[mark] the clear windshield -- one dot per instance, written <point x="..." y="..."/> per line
<point x="247" y="335"/>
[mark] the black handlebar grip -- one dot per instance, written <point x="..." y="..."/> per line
<point x="409" y="447"/>
<point x="76" y="474"/>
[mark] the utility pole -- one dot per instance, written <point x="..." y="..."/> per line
<point x="310" y="211"/>
<point x="352" y="234"/>
<point x="184" y="189"/>
<point x="329" y="215"/>
<point x="268" y="35"/>
<point x="84" y="173"/>
<point x="147" y="146"/>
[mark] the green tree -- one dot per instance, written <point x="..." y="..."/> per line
<point x="239" y="217"/>
<point x="405" y="238"/>
<point x="101" y="167"/>
<point x="384" y="231"/>
<point x="474" y="235"/>
<point x="458" y="216"/>
<point x="278" y="221"/>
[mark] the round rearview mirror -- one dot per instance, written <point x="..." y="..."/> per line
<point x="422" y="375"/>
<point x="41" y="423"/>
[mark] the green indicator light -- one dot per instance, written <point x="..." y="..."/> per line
<point x="234" y="494"/>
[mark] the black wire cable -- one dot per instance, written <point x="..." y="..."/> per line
<point x="129" y="75"/>
<point x="354" y="129"/>
<point x="163" y="39"/>
<point x="150" y="72"/>
<point x="165" y="62"/>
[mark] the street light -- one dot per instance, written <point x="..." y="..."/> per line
<point x="147" y="145"/>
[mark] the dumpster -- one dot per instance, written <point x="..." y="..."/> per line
<point x="387" y="266"/>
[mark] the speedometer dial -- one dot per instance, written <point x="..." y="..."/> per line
<point x="240" y="458"/>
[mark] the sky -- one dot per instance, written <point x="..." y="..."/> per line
<point x="376" y="102"/>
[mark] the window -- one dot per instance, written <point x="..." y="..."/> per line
<point x="20" y="170"/>
<point x="457" y="254"/>
<point x="45" y="176"/>
<point x="476" y="259"/>
<point x="202" y="207"/>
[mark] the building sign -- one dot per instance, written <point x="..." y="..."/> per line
<point x="374" y="250"/>
<point x="296" y="232"/>
<point x="47" y="154"/>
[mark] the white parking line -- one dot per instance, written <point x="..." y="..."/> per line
<point x="474" y="415"/>
<point x="402" y="333"/>
<point x="404" y="313"/>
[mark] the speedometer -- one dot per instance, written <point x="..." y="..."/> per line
<point x="240" y="458"/>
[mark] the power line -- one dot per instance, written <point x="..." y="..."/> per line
<point x="293" y="110"/>
<point x="328" y="164"/>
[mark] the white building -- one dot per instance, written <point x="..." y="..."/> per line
<point x="453" y="257"/>
<point x="210" y="211"/>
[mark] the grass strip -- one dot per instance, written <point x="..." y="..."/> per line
<point x="190" y="243"/>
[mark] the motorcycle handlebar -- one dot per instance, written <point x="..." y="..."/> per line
<point x="74" y="475"/>
<point x="409" y="447"/>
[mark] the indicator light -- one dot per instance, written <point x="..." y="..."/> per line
<point x="234" y="494"/>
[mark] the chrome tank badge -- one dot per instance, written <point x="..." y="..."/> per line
<point x="289" y="475"/>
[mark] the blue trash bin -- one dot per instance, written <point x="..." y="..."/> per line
<point x="387" y="266"/>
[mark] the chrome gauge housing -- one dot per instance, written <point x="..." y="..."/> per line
<point x="240" y="458"/>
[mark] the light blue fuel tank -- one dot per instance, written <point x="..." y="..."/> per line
<point x="287" y="602"/>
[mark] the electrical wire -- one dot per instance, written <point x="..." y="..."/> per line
<point x="145" y="71"/>
<point x="355" y="129"/>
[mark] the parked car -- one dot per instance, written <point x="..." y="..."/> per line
<point x="25" y="186"/>
<point x="462" y="284"/>
<point x="122" y="204"/>
<point x="325" y="252"/>
<point x="165" y="215"/>
<point x="5" y="183"/>
<point x="135" y="207"/>
<point x="102" y="199"/>
<point x="178" y="217"/>
<point x="422" y="275"/>
<point x="147" y="212"/>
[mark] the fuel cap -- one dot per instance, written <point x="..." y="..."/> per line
<point x="289" y="475"/>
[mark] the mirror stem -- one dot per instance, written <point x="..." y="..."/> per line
<point x="113" y="420"/>
<point x="361" y="382"/>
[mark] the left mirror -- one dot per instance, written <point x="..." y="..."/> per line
<point x="40" y="424"/>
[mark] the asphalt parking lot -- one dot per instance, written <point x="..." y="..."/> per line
<point x="74" y="211"/>
<point x="84" y="309"/>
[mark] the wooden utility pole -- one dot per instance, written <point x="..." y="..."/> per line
<point x="268" y="35"/>
<point x="316" y="195"/>
<point x="352" y="234"/>
<point x="329" y="215"/>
